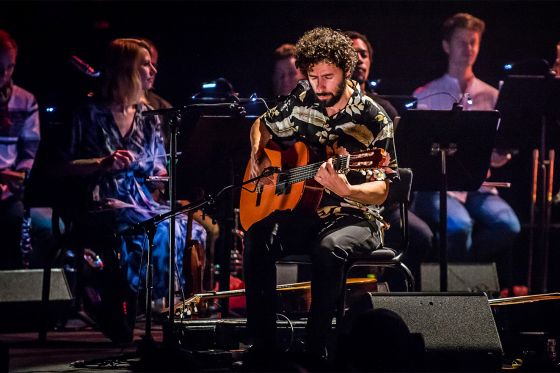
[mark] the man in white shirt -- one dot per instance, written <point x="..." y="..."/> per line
<point x="481" y="225"/>
<point x="19" y="140"/>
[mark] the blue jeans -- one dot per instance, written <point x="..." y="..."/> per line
<point x="482" y="230"/>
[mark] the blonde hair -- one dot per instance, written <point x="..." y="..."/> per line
<point x="122" y="83"/>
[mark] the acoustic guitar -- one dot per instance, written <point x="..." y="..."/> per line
<point x="293" y="187"/>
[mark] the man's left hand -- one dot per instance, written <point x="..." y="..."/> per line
<point x="328" y="177"/>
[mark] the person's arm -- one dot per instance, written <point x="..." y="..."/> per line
<point x="260" y="136"/>
<point x="373" y="191"/>
<point x="118" y="161"/>
<point x="370" y="192"/>
<point x="28" y="141"/>
<point x="71" y="164"/>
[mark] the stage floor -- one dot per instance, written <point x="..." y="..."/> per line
<point x="64" y="349"/>
<point x="78" y="347"/>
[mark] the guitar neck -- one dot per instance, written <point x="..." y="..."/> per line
<point x="297" y="174"/>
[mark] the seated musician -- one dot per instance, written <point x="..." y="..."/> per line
<point x="332" y="117"/>
<point x="19" y="141"/>
<point x="113" y="149"/>
<point x="481" y="225"/>
<point x="285" y="74"/>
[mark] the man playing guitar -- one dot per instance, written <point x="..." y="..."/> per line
<point x="331" y="117"/>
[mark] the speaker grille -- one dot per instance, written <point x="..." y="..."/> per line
<point x="26" y="285"/>
<point x="446" y="321"/>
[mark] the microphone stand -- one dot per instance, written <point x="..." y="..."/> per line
<point x="149" y="226"/>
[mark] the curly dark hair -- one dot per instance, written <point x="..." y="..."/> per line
<point x="323" y="44"/>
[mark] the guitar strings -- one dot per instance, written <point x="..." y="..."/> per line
<point x="302" y="173"/>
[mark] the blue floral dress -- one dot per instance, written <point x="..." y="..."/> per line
<point x="124" y="196"/>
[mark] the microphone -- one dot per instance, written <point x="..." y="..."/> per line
<point x="84" y="67"/>
<point x="302" y="86"/>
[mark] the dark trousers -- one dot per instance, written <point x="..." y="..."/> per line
<point x="328" y="246"/>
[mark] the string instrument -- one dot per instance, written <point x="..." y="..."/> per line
<point x="294" y="186"/>
<point x="292" y="298"/>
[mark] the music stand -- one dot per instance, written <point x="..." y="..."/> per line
<point x="524" y="98"/>
<point x="448" y="150"/>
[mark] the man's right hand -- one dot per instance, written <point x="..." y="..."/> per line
<point x="259" y="162"/>
<point x="118" y="161"/>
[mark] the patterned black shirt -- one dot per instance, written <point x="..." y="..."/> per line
<point x="361" y="125"/>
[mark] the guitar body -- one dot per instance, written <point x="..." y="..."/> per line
<point x="301" y="196"/>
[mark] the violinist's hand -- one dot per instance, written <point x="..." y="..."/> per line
<point x="118" y="161"/>
<point x="328" y="177"/>
<point x="259" y="162"/>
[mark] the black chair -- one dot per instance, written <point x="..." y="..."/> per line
<point x="386" y="257"/>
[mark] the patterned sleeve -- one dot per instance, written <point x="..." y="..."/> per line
<point x="279" y="121"/>
<point x="28" y="141"/>
<point x="282" y="120"/>
<point x="385" y="139"/>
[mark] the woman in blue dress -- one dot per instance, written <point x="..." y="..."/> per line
<point x="115" y="149"/>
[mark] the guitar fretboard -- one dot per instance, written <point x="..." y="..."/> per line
<point x="297" y="174"/>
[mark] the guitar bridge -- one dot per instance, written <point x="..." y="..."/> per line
<point x="282" y="186"/>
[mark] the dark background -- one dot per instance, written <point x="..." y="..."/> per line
<point x="200" y="41"/>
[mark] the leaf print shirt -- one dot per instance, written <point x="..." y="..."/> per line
<point x="361" y="125"/>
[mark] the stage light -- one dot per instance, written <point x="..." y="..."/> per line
<point x="409" y="104"/>
<point x="209" y="85"/>
<point x="508" y="66"/>
<point x="50" y="109"/>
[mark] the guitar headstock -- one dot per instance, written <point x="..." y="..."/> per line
<point x="367" y="160"/>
